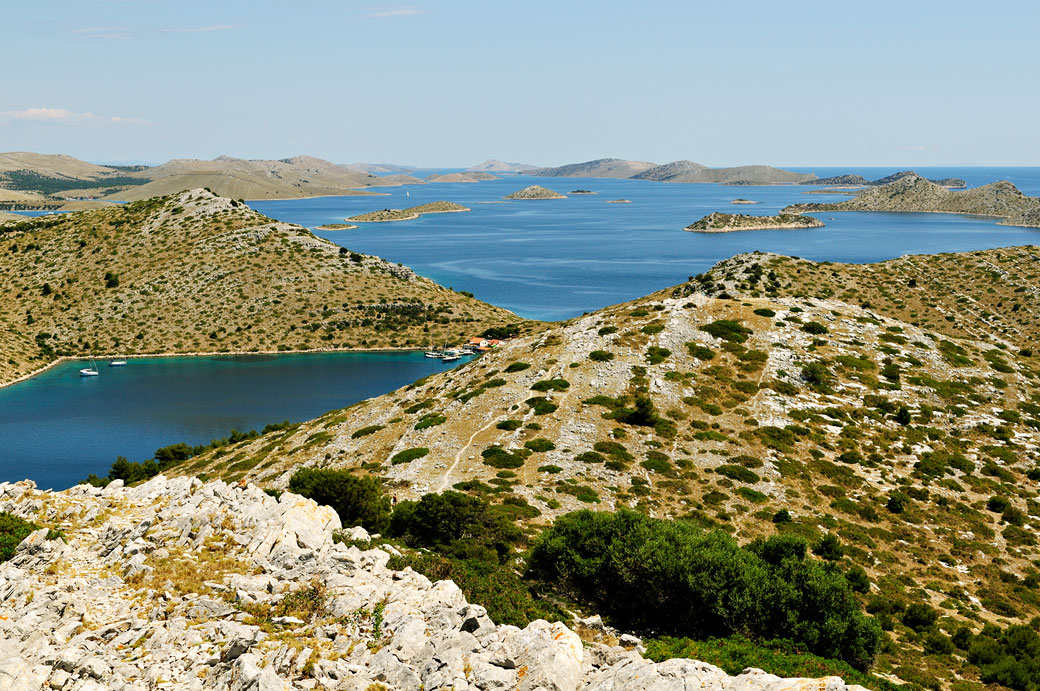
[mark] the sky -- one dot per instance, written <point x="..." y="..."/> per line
<point x="448" y="83"/>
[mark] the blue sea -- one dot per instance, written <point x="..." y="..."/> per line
<point x="555" y="259"/>
<point x="551" y="259"/>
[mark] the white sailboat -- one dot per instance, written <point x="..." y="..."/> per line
<point x="91" y="371"/>
<point x="117" y="363"/>
<point x="431" y="353"/>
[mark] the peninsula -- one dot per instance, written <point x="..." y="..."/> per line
<point x="337" y="226"/>
<point x="194" y="272"/>
<point x="493" y="165"/>
<point x="727" y="223"/>
<point x="913" y="193"/>
<point x="409" y="214"/>
<point x="535" y="192"/>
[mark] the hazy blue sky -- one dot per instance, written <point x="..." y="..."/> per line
<point x="452" y="82"/>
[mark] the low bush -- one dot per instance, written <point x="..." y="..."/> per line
<point x="408" y="455"/>
<point x="672" y="577"/>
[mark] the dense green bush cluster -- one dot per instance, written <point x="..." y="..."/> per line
<point x="673" y="578"/>
<point x="12" y="531"/>
<point x="456" y="525"/>
<point x="357" y="500"/>
<point x="1009" y="657"/>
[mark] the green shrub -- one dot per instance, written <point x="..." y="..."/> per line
<point x="497" y="457"/>
<point x="551" y="469"/>
<point x="456" y="525"/>
<point x="357" y="500"/>
<point x="738" y="473"/>
<point x="727" y="330"/>
<point x="651" y="329"/>
<point x="541" y="405"/>
<point x="551" y="385"/>
<point x="920" y="616"/>
<point x="539" y="445"/>
<point x="590" y="457"/>
<point x="365" y="431"/>
<point x="12" y="531"/>
<point x="509" y="425"/>
<point x="672" y="577"/>
<point x="699" y="351"/>
<point x="601" y="356"/>
<point x="765" y="312"/>
<point x="517" y="366"/>
<point x="814" y="328"/>
<point x="655" y="355"/>
<point x="430" y="420"/>
<point x="408" y="455"/>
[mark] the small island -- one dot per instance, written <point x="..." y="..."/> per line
<point x="619" y="201"/>
<point x="336" y="226"/>
<point x="727" y="223"/>
<point x="460" y="177"/>
<point x="535" y="192"/>
<point x="583" y="192"/>
<point x="741" y="200"/>
<point x="409" y="214"/>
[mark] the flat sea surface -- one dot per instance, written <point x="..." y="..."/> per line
<point x="554" y="259"/>
<point x="58" y="427"/>
<point x="550" y="259"/>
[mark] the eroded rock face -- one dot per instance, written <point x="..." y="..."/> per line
<point x="177" y="584"/>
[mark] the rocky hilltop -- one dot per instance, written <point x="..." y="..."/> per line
<point x="716" y="222"/>
<point x="535" y="192"/>
<point x="180" y="584"/>
<point x="914" y="193"/>
<point x="194" y="272"/>
<point x="740" y="402"/>
<point x="677" y="171"/>
<point x="860" y="181"/>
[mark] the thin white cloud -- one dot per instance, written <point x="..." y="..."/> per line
<point x="111" y="33"/>
<point x="200" y="29"/>
<point x="64" y="116"/>
<point x="400" y="12"/>
<point x="913" y="147"/>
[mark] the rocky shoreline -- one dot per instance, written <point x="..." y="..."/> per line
<point x="180" y="584"/>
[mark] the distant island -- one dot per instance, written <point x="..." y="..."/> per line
<point x="535" y="192"/>
<point x="460" y="177"/>
<point x="336" y="226"/>
<point x="493" y="165"/>
<point x="727" y="223"/>
<point x="583" y="192"/>
<point x="409" y="214"/>
<point x="676" y="171"/>
<point x="913" y="193"/>
<point x="860" y="181"/>
<point x="743" y="201"/>
<point x="619" y="201"/>
<point x="31" y="181"/>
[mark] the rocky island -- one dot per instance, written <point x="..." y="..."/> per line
<point x="913" y="193"/>
<point x="535" y="192"/>
<point x="583" y="192"/>
<point x="676" y="171"/>
<point x="727" y="223"/>
<point x="854" y="180"/>
<point x="743" y="201"/>
<point x="409" y="214"/>
<point x="337" y="226"/>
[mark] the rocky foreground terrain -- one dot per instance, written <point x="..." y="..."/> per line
<point x="177" y="584"/>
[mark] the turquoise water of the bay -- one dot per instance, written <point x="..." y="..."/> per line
<point x="550" y="259"/>
<point x="58" y="427"/>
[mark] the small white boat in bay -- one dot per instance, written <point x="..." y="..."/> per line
<point x="117" y="363"/>
<point x="91" y="371"/>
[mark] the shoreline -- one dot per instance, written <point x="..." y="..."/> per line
<point x="139" y="356"/>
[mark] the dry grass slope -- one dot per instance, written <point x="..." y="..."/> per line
<point x="195" y="272"/>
